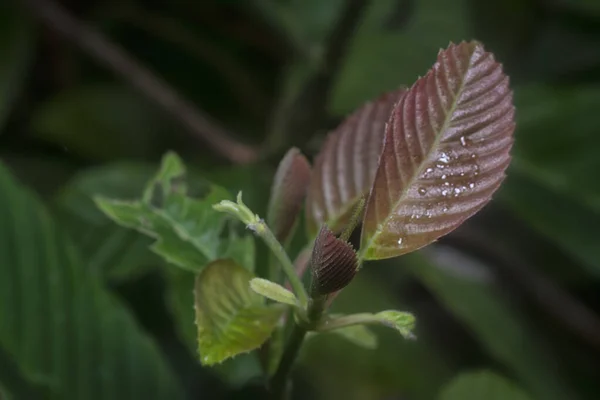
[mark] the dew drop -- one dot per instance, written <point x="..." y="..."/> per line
<point x="473" y="155"/>
<point x="444" y="158"/>
<point x="400" y="241"/>
<point x="464" y="141"/>
<point x="471" y="185"/>
<point x="429" y="170"/>
<point x="422" y="191"/>
<point x="440" y="166"/>
<point x="445" y="209"/>
<point x="462" y="174"/>
<point x="444" y="176"/>
<point x="457" y="191"/>
<point x="445" y="192"/>
<point x="446" y="183"/>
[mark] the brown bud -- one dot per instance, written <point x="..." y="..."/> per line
<point x="287" y="193"/>
<point x="333" y="263"/>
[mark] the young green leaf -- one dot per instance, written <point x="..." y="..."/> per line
<point x="273" y="291"/>
<point x="345" y="168"/>
<point x="403" y="322"/>
<point x="445" y="152"/>
<point x="230" y="317"/>
<point x="288" y="193"/>
<point x="187" y="230"/>
<point x="333" y="263"/>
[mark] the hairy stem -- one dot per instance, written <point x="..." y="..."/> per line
<point x="280" y="254"/>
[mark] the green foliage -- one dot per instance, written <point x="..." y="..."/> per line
<point x="394" y="45"/>
<point x="59" y="324"/>
<point x="187" y="231"/>
<point x="360" y="335"/>
<point x="500" y="329"/>
<point x="231" y="318"/>
<point x="482" y="385"/>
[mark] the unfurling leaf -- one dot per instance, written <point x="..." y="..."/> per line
<point x="288" y="193"/>
<point x="333" y="263"/>
<point x="345" y="168"/>
<point x="230" y="317"/>
<point x="187" y="230"/>
<point x="273" y="291"/>
<point x="403" y="322"/>
<point x="446" y="149"/>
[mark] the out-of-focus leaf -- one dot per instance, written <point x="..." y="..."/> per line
<point x="19" y="386"/>
<point x="558" y="139"/>
<point x="306" y="23"/>
<point x="393" y="46"/>
<point x="344" y="370"/>
<point x="58" y="323"/>
<point x="445" y="151"/>
<point x="287" y="193"/>
<point x="345" y="167"/>
<point x="16" y="47"/>
<point x="482" y="385"/>
<point x="230" y="317"/>
<point x="99" y="122"/>
<point x="334" y="263"/>
<point x="187" y="231"/>
<point x="557" y="216"/>
<point x="110" y="249"/>
<point x="496" y="325"/>
<point x="553" y="182"/>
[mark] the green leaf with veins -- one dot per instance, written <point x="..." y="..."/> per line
<point x="231" y="318"/>
<point x="187" y="231"/>
<point x="58" y="323"/>
<point x="273" y="291"/>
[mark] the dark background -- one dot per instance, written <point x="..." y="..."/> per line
<point x="515" y="290"/>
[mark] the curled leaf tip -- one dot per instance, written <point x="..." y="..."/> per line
<point x="333" y="263"/>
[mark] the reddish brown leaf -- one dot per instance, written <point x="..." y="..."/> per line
<point x="333" y="263"/>
<point x="345" y="168"/>
<point x="446" y="149"/>
<point x="288" y="192"/>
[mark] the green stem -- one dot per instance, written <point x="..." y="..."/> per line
<point x="279" y="252"/>
<point x="279" y="381"/>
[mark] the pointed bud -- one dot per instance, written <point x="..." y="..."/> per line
<point x="287" y="194"/>
<point x="333" y="263"/>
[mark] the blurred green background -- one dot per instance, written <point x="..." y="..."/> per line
<point x="507" y="306"/>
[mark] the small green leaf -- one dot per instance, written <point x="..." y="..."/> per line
<point x="273" y="291"/>
<point x="187" y="231"/>
<point x="482" y="385"/>
<point x="230" y="317"/>
<point x="360" y="335"/>
<point x="403" y="322"/>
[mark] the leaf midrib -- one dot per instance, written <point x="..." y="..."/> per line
<point x="419" y="170"/>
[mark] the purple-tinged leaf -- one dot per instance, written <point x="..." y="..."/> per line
<point x="333" y="263"/>
<point x="445" y="152"/>
<point x="288" y="192"/>
<point x="345" y="168"/>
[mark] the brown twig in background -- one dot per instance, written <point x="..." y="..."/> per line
<point x="300" y="116"/>
<point x="115" y="58"/>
